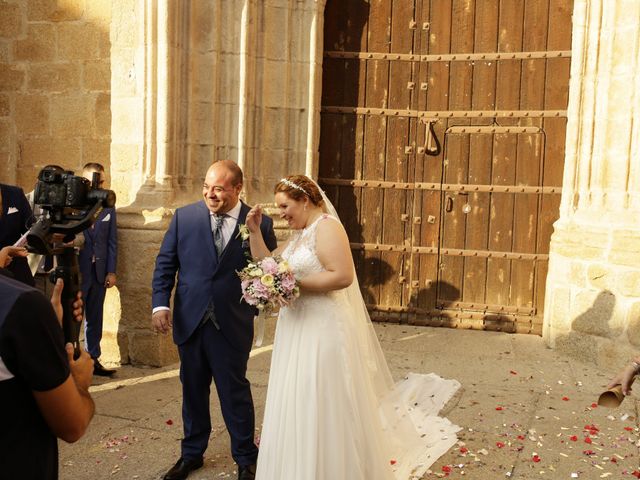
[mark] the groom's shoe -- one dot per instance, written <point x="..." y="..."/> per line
<point x="183" y="468"/>
<point x="246" y="472"/>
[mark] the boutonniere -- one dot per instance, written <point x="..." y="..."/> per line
<point x="243" y="232"/>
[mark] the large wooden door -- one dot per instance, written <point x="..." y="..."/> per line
<point x="442" y="146"/>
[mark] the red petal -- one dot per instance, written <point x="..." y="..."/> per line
<point x="498" y="408"/>
<point x="169" y="422"/>
<point x="587" y="440"/>
<point x="392" y="462"/>
<point x="573" y="438"/>
<point x="536" y="458"/>
<point x="565" y="399"/>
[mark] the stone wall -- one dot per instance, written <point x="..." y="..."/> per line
<point x="592" y="306"/>
<point x="194" y="82"/>
<point x="54" y="86"/>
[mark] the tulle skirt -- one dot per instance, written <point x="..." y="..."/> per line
<point x="332" y="412"/>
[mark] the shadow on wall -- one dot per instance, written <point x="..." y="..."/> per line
<point x="590" y="328"/>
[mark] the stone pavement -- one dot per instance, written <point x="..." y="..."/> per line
<point x="526" y="412"/>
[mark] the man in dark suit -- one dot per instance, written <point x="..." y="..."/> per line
<point x="16" y="217"/>
<point x="211" y="327"/>
<point x="97" y="261"/>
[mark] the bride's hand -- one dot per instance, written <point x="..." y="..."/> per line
<point x="254" y="218"/>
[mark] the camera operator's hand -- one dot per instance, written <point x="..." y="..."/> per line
<point x="161" y="321"/>
<point x="81" y="368"/>
<point x="7" y="253"/>
<point x="110" y="280"/>
<point x="56" y="302"/>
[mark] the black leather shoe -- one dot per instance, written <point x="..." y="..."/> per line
<point x="99" y="369"/>
<point x="183" y="468"/>
<point x="246" y="472"/>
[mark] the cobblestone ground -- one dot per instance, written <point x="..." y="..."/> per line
<point x="525" y="412"/>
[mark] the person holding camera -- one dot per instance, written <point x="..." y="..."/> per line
<point x="16" y="217"/>
<point x="44" y="392"/>
<point x="97" y="262"/>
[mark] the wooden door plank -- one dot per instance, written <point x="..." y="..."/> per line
<point x="480" y="152"/>
<point x="505" y="151"/>
<point x="450" y="287"/>
<point x="376" y="85"/>
<point x="394" y="201"/>
<point x="427" y="204"/>
<point x="556" y="94"/>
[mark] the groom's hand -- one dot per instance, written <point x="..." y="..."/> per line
<point x="161" y="321"/>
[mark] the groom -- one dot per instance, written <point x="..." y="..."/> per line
<point x="211" y="327"/>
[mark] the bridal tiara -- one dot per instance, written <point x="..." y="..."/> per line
<point x="289" y="183"/>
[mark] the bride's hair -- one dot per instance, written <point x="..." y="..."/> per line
<point x="298" y="187"/>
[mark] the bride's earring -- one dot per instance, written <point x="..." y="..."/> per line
<point x="305" y="207"/>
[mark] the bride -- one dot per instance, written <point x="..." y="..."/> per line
<point x="332" y="411"/>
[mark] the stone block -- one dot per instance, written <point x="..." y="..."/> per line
<point x="148" y="348"/>
<point x="579" y="345"/>
<point x="7" y="140"/>
<point x="103" y="115"/>
<point x="202" y="68"/>
<point x="203" y="36"/>
<point x="201" y="119"/>
<point x="599" y="276"/>
<point x="628" y="283"/>
<point x="55" y="10"/>
<point x="11" y="20"/>
<point x="97" y="75"/>
<point x="32" y="115"/>
<point x="123" y="82"/>
<point x="72" y="115"/>
<point x="99" y="12"/>
<point x="39" y="44"/>
<point x="137" y="307"/>
<point x="275" y="84"/>
<point x="270" y="128"/>
<point x="53" y="77"/>
<point x="4" y="52"/>
<point x="560" y="307"/>
<point x="633" y="324"/>
<point x="79" y="41"/>
<point x="593" y="311"/>
<point x="126" y="115"/>
<point x="95" y="150"/>
<point x="125" y="24"/>
<point x="27" y="176"/>
<point x="274" y="32"/>
<point x="41" y="151"/>
<point x="11" y="77"/>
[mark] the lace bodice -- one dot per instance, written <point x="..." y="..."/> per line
<point x="301" y="250"/>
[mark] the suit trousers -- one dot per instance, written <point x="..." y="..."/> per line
<point x="93" y="293"/>
<point x="207" y="355"/>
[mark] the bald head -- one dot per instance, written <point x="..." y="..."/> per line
<point x="231" y="168"/>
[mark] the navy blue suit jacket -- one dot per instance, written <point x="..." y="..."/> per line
<point x="16" y="219"/>
<point x="188" y="250"/>
<point x="101" y="241"/>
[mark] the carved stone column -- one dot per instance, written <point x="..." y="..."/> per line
<point x="194" y="82"/>
<point x="592" y="301"/>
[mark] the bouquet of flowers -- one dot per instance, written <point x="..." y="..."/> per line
<point x="268" y="283"/>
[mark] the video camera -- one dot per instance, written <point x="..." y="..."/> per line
<point x="70" y="204"/>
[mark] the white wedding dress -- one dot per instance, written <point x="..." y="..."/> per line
<point x="332" y="411"/>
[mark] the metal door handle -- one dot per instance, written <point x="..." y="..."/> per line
<point x="448" y="204"/>
<point x="430" y="138"/>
